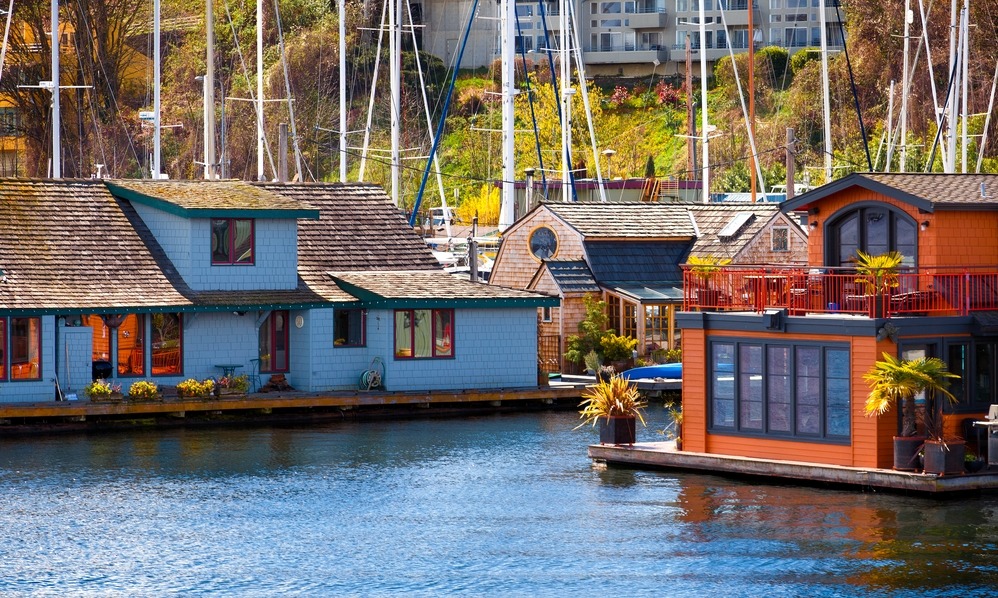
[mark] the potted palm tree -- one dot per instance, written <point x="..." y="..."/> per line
<point x="879" y="274"/>
<point x="615" y="405"/>
<point x="895" y="380"/>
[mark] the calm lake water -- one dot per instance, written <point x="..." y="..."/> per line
<point x="497" y="505"/>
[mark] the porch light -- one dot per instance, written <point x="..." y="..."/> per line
<point x="924" y="225"/>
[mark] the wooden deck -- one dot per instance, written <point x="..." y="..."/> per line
<point x="275" y="406"/>
<point x="663" y="455"/>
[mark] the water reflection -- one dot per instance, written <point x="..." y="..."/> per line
<point x="486" y="505"/>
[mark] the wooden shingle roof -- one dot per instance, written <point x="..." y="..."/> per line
<point x="70" y="244"/>
<point x="711" y="219"/>
<point x="926" y="191"/>
<point x="432" y="288"/>
<point x="205" y="199"/>
<point x="625" y="220"/>
<point x="358" y="229"/>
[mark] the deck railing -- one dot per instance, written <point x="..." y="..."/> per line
<point x="804" y="290"/>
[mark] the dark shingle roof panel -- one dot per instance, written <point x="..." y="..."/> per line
<point x="70" y="244"/>
<point x="625" y="220"/>
<point x="926" y="191"/>
<point x="206" y="199"/>
<point x="572" y="276"/>
<point x="637" y="261"/>
<point x="431" y="288"/>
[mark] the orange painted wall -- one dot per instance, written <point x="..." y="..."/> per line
<point x="976" y="231"/>
<point x="871" y="444"/>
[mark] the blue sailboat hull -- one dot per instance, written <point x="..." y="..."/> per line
<point x="669" y="371"/>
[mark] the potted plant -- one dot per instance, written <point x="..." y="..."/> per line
<point x="191" y="388"/>
<point x="593" y="361"/>
<point x="704" y="270"/>
<point x="102" y="390"/>
<point x="615" y="405"/>
<point x="143" y="390"/>
<point x="232" y="385"/>
<point x="591" y="330"/>
<point x="674" y="431"/>
<point x="895" y="380"/>
<point x="878" y="274"/>
<point x="618" y="350"/>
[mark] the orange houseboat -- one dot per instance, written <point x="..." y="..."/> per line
<point x="774" y="357"/>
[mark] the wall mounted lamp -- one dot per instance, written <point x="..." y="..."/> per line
<point x="814" y="224"/>
<point x="924" y="225"/>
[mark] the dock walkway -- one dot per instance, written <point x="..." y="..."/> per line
<point x="53" y="416"/>
<point x="663" y="455"/>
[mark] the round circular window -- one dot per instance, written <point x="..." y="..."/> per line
<point x="543" y="243"/>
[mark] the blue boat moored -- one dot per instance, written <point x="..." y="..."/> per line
<point x="668" y="371"/>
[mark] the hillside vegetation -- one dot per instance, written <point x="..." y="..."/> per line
<point x="643" y="121"/>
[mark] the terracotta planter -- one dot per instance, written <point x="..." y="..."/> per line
<point x="906" y="452"/>
<point x="617" y="429"/>
<point x="944" y="458"/>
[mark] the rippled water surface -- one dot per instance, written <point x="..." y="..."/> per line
<point x="499" y="505"/>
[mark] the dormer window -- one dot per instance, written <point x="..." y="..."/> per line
<point x="231" y="241"/>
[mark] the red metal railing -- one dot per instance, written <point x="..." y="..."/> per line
<point x="803" y="290"/>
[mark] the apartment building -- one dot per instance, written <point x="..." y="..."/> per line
<point x="629" y="37"/>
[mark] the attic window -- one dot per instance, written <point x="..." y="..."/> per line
<point x="231" y="241"/>
<point x="735" y="224"/>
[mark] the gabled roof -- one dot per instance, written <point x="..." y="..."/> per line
<point x="208" y="199"/>
<point x="429" y="288"/>
<point x="711" y="220"/>
<point x="647" y="262"/>
<point x="358" y="229"/>
<point x="70" y="244"/>
<point x="572" y="276"/>
<point x="926" y="191"/>
<point x="625" y="220"/>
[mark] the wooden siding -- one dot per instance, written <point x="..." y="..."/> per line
<point x="871" y="438"/>
<point x="760" y="249"/>
<point x="516" y="265"/>
<point x="976" y="230"/>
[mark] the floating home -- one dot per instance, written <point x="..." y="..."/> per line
<point x="629" y="255"/>
<point x="169" y="280"/>
<point x="774" y="358"/>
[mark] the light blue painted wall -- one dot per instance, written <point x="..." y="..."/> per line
<point x="275" y="257"/>
<point x="493" y="348"/>
<point x="31" y="391"/>
<point x="187" y="242"/>
<point x="173" y="234"/>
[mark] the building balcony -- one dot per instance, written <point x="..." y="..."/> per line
<point x="650" y="18"/>
<point x="625" y="54"/>
<point x="953" y="291"/>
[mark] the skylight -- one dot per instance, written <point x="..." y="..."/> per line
<point x="735" y="224"/>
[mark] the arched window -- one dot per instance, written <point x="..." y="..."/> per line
<point x="874" y="229"/>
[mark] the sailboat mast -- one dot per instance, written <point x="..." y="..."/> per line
<point x="259" y="91"/>
<point x="566" y="102"/>
<point x="826" y="104"/>
<point x="751" y="97"/>
<point x="394" y="57"/>
<point x="341" y="6"/>
<point x="905" y="82"/>
<point x="705" y="185"/>
<point x="157" y="68"/>
<point x="209" y="94"/>
<point x="507" y="38"/>
<point x="965" y="45"/>
<point x="950" y="161"/>
<point x="56" y="118"/>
